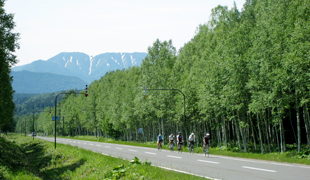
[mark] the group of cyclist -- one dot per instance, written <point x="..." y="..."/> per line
<point x="180" y="140"/>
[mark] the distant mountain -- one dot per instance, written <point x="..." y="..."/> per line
<point x="35" y="82"/>
<point x="83" y="66"/>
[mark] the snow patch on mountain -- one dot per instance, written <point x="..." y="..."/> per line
<point x="91" y="64"/>
<point x="115" y="60"/>
<point x="133" y="60"/>
<point x="66" y="63"/>
<point x="98" y="62"/>
<point x="71" y="59"/>
<point x="77" y="63"/>
<point x="123" y="59"/>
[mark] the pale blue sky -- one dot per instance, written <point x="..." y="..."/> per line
<point x="48" y="27"/>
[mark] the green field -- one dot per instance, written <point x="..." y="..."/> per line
<point x="22" y="158"/>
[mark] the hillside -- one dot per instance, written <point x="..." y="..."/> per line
<point x="34" y="82"/>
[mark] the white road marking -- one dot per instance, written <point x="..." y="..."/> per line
<point x="98" y="145"/>
<point x="174" y="156"/>
<point x="303" y="167"/>
<point x="282" y="164"/>
<point x="108" y="146"/>
<point x="150" y="153"/>
<point x="259" y="169"/>
<point x="170" y="169"/>
<point x="118" y="148"/>
<point x="132" y="150"/>
<point x="208" y="161"/>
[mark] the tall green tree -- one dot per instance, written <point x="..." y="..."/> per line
<point x="8" y="44"/>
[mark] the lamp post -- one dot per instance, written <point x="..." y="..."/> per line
<point x="184" y="118"/>
<point x="86" y="94"/>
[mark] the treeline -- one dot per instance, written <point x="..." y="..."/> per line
<point x="245" y="76"/>
<point x="29" y="103"/>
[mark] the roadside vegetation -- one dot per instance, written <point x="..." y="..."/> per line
<point x="22" y="158"/>
<point x="290" y="156"/>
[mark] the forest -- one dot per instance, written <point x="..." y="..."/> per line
<point x="244" y="76"/>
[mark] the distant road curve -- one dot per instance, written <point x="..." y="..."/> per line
<point x="213" y="167"/>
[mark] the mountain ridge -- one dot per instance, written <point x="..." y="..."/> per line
<point x="87" y="68"/>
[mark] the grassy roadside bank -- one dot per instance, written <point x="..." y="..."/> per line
<point x="22" y="158"/>
<point x="291" y="156"/>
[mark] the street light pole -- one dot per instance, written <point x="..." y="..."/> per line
<point x="86" y="94"/>
<point x="184" y="117"/>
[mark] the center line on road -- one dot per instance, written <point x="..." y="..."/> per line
<point x="174" y="156"/>
<point x="108" y="146"/>
<point x="258" y="169"/>
<point x="118" y="148"/>
<point x="150" y="153"/>
<point x="132" y="150"/>
<point x="208" y="161"/>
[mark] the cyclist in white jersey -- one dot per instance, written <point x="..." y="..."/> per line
<point x="191" y="139"/>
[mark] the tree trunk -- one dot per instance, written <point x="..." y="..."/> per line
<point x="260" y="135"/>
<point x="238" y="135"/>
<point x="224" y="131"/>
<point x="266" y="130"/>
<point x="253" y="133"/>
<point x="298" y="128"/>
<point x="306" y="120"/>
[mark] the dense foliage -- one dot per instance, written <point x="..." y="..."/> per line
<point x="8" y="44"/>
<point x="244" y="74"/>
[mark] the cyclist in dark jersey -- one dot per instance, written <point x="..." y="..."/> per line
<point x="180" y="140"/>
<point x="206" y="140"/>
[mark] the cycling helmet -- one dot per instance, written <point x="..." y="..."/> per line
<point x="207" y="134"/>
<point x="192" y="134"/>
<point x="159" y="135"/>
<point x="179" y="132"/>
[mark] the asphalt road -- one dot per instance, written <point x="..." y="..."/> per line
<point x="213" y="167"/>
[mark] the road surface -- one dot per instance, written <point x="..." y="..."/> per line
<point x="213" y="167"/>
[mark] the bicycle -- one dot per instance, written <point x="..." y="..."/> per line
<point x="159" y="146"/>
<point x="171" y="146"/>
<point x="191" y="148"/>
<point x="206" y="150"/>
<point x="180" y="148"/>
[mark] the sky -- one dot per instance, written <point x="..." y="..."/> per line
<point x="49" y="27"/>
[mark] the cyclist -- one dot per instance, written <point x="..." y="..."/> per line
<point x="159" y="140"/>
<point x="191" y="140"/>
<point x="171" y="139"/>
<point x="180" y="141"/>
<point x="206" y="142"/>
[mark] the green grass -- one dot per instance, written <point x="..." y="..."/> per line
<point x="22" y="158"/>
<point x="291" y="156"/>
